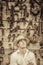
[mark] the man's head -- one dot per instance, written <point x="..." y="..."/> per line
<point x="22" y="45"/>
<point x="21" y="41"/>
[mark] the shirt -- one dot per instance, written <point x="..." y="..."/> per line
<point x="18" y="59"/>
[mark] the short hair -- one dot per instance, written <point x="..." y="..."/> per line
<point x="21" y="40"/>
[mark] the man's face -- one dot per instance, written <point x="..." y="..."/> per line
<point x="22" y="44"/>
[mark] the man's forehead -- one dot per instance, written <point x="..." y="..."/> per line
<point x="22" y="41"/>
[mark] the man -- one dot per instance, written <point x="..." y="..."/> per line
<point x="22" y="56"/>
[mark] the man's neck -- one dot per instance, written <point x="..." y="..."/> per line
<point x="22" y="52"/>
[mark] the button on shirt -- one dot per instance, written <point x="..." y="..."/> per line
<point x="18" y="59"/>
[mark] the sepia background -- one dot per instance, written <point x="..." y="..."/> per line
<point x="21" y="17"/>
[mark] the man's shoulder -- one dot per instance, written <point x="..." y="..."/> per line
<point x="31" y="54"/>
<point x="14" y="53"/>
